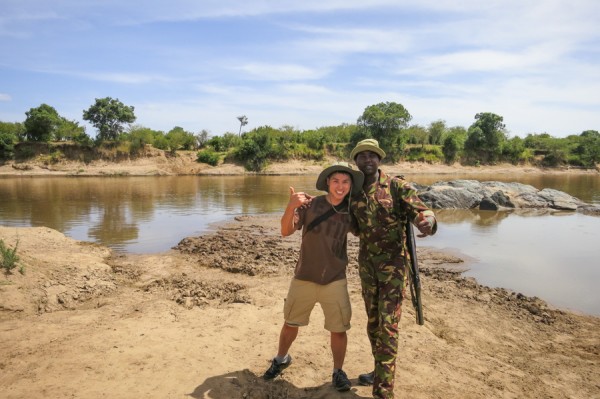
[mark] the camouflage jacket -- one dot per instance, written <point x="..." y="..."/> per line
<point x="380" y="221"/>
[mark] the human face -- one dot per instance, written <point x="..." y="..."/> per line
<point x="339" y="185"/>
<point x="367" y="162"/>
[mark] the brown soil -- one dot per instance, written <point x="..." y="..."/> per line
<point x="202" y="321"/>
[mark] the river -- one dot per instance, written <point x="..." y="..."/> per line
<point x="552" y="256"/>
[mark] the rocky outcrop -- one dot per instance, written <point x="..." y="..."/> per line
<point x="494" y="195"/>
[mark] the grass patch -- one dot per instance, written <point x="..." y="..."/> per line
<point x="9" y="258"/>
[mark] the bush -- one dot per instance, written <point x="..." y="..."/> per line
<point x="209" y="157"/>
<point x="428" y="153"/>
<point x="253" y="155"/>
<point x="257" y="148"/>
<point x="9" y="257"/>
<point x="52" y="158"/>
<point x="7" y="145"/>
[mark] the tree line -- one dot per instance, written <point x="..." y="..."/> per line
<point x="485" y="141"/>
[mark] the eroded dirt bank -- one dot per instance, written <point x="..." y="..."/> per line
<point x="158" y="163"/>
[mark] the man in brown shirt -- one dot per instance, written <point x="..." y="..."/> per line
<point x="320" y="274"/>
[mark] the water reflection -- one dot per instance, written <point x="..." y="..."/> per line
<point x="149" y="214"/>
<point x="137" y="214"/>
<point x="477" y="218"/>
<point x="552" y="256"/>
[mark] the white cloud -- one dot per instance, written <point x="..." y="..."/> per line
<point x="288" y="72"/>
<point x="353" y="40"/>
<point x="125" y="78"/>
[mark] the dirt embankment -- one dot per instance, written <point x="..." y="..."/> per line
<point x="157" y="163"/>
<point x="202" y="321"/>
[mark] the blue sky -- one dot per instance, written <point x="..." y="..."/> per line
<point x="306" y="64"/>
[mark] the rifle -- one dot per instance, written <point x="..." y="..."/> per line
<point x="413" y="270"/>
<point x="414" y="281"/>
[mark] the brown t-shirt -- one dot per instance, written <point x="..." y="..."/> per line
<point x="323" y="252"/>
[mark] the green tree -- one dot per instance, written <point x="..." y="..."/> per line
<point x="225" y="142"/>
<point x="7" y="145"/>
<point x="356" y="136"/>
<point x="9" y="136"/>
<point x="588" y="148"/>
<point x="485" y="138"/>
<point x="202" y="138"/>
<point x="436" y="131"/>
<point x="453" y="144"/>
<point x="108" y="116"/>
<point x="515" y="151"/>
<point x="314" y="139"/>
<point x="68" y="130"/>
<point x="538" y="142"/>
<point x="557" y="153"/>
<point x="15" y="128"/>
<point x="256" y="148"/>
<point x="179" y="139"/>
<point x="338" y="134"/>
<point x="336" y="139"/>
<point x="384" y="122"/>
<point x="140" y="136"/>
<point x="417" y="134"/>
<point x="160" y="140"/>
<point x="41" y="123"/>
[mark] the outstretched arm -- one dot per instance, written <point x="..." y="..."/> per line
<point x="418" y="212"/>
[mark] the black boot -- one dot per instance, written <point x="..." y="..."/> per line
<point x="366" y="379"/>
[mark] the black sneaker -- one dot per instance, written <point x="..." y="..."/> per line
<point x="340" y="381"/>
<point x="366" y="379"/>
<point x="276" y="368"/>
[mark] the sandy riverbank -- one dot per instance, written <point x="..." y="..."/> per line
<point x="202" y="321"/>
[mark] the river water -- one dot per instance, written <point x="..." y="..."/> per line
<point x="552" y="256"/>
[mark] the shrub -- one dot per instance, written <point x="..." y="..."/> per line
<point x="7" y="145"/>
<point x="52" y="158"/>
<point x="428" y="153"/>
<point x="256" y="148"/>
<point x="208" y="156"/>
<point x="9" y="257"/>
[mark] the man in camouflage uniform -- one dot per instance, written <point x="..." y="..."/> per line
<point x="382" y="257"/>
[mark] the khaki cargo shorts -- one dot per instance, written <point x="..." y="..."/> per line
<point x="333" y="298"/>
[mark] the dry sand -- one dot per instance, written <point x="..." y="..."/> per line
<point x="202" y="321"/>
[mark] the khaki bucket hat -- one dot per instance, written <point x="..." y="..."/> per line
<point x="367" y="145"/>
<point x="357" y="176"/>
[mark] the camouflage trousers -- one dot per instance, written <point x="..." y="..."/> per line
<point x="383" y="282"/>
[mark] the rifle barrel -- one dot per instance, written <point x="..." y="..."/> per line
<point x="415" y="279"/>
